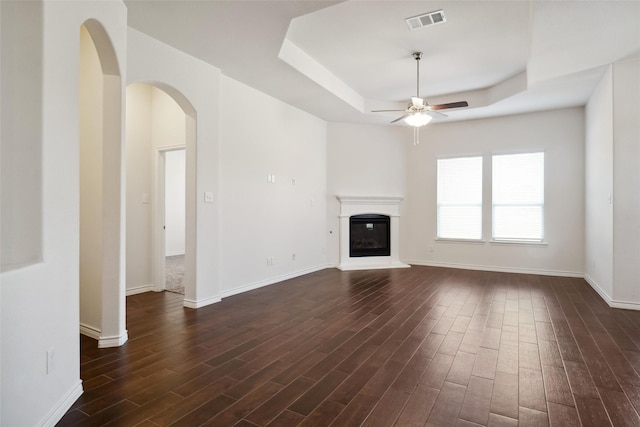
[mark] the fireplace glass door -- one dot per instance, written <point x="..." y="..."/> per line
<point x="369" y="235"/>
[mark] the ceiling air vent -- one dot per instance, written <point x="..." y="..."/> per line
<point x="426" y="19"/>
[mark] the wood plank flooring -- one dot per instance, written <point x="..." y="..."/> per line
<point x="407" y="347"/>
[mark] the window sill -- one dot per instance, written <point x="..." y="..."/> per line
<point x="472" y="241"/>
<point x="518" y="243"/>
<point x="492" y="242"/>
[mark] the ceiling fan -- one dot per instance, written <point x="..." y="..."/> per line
<point x="419" y="112"/>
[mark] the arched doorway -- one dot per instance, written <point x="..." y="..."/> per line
<point x="159" y="120"/>
<point x="102" y="294"/>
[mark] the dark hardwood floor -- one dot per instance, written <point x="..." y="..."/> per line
<point x="408" y="347"/>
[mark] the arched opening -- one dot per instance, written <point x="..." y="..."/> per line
<point x="160" y="121"/>
<point x="102" y="295"/>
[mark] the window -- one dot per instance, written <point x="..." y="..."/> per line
<point x="459" y="197"/>
<point x="518" y="197"/>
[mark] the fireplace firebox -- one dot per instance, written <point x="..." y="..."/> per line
<point x="369" y="235"/>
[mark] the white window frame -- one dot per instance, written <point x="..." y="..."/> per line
<point x="540" y="204"/>
<point x="478" y="205"/>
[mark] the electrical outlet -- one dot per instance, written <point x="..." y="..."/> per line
<point x="293" y="257"/>
<point x="50" y="359"/>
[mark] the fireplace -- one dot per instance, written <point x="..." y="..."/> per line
<point x="369" y="235"/>
<point x="375" y="224"/>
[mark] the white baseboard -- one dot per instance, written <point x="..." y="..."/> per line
<point x="61" y="408"/>
<point x="175" y="253"/>
<point x="355" y="267"/>
<point x="103" y="342"/>
<point x="113" y="341"/>
<point x="189" y="303"/>
<point x="497" y="268"/>
<point x="212" y="300"/>
<point x="140" y="289"/>
<point x="270" y="281"/>
<point x="90" y="331"/>
<point x="627" y="305"/>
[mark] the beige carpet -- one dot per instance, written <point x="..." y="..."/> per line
<point x="174" y="272"/>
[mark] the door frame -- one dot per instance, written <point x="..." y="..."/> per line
<point x="159" y="213"/>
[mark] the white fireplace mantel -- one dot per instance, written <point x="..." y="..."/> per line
<point x="358" y="205"/>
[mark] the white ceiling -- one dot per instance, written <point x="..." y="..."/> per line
<point x="340" y="59"/>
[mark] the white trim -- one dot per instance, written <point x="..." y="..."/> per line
<point x="358" y="205"/>
<point x="270" y="281"/>
<point x="114" y="341"/>
<point x="90" y="331"/>
<point x="175" y="253"/>
<point x="370" y="200"/>
<point x="141" y="289"/>
<point x="540" y="243"/>
<point x="497" y="268"/>
<point x="451" y="240"/>
<point x="189" y="303"/>
<point x="627" y="305"/>
<point x="57" y="412"/>
<point x="372" y="263"/>
<point x="158" y="217"/>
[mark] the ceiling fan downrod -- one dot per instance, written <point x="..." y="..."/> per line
<point x="417" y="56"/>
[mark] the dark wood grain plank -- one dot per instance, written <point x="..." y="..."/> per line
<point x="556" y="385"/>
<point x="418" y="407"/>
<point x="447" y="405"/>
<point x="477" y="401"/>
<point x="619" y="408"/>
<point x="460" y="371"/>
<point x="504" y="399"/>
<point x="531" y="389"/>
<point x="563" y="416"/>
<point x="592" y="412"/>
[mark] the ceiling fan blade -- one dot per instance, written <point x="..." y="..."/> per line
<point x="436" y="114"/>
<point x="384" y="111"/>
<point x="449" y="105"/>
<point x="400" y="118"/>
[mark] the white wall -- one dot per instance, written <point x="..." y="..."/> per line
<point x="363" y="160"/>
<point x="91" y="181"/>
<point x="626" y="178"/>
<point x="21" y="86"/>
<point x="194" y="85"/>
<point x="261" y="219"/>
<point x="599" y="186"/>
<point x="40" y="301"/>
<point x="560" y="134"/>
<point x="174" y="202"/>
<point x="612" y="176"/>
<point x="139" y="184"/>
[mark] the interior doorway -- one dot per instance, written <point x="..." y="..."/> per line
<point x="160" y="135"/>
<point x="174" y="218"/>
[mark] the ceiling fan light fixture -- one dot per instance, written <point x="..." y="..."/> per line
<point x="418" y="119"/>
